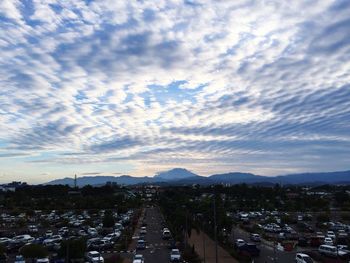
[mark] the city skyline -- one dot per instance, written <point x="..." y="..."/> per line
<point x="133" y="87"/>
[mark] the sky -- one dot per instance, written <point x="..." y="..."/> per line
<point x="137" y="87"/>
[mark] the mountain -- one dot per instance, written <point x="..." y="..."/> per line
<point x="100" y="180"/>
<point x="180" y="176"/>
<point x="175" y="174"/>
<point x="235" y="177"/>
<point x="302" y="178"/>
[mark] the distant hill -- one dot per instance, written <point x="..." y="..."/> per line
<point x="180" y="176"/>
<point x="101" y="180"/>
<point x="175" y="174"/>
<point x="329" y="178"/>
<point x="235" y="177"/>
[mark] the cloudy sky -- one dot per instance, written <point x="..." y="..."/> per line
<point x="136" y="87"/>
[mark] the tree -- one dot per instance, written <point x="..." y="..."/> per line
<point x="33" y="251"/>
<point x="74" y="248"/>
<point x="108" y="220"/>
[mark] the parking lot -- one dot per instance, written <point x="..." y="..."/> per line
<point x="99" y="230"/>
<point x="280" y="242"/>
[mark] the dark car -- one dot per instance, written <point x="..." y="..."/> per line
<point x="171" y="244"/>
<point x="249" y="249"/>
<point x="141" y="244"/>
<point x="100" y="244"/>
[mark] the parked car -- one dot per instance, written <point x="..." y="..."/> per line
<point x="175" y="255"/>
<point x="328" y="241"/>
<point x="92" y="231"/>
<point x="331" y="251"/>
<point x="113" y="237"/>
<point x="94" y="257"/>
<point x="33" y="229"/>
<point x="5" y="241"/>
<point x="42" y="260"/>
<point x="100" y="244"/>
<point x="138" y="258"/>
<point x="344" y="248"/>
<point x="255" y="237"/>
<point x="52" y="240"/>
<point x="21" y="239"/>
<point x="48" y="233"/>
<point x="331" y="234"/>
<point x="303" y="258"/>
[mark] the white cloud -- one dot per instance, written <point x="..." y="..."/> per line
<point x="210" y="82"/>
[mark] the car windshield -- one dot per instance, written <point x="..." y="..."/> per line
<point x="175" y="252"/>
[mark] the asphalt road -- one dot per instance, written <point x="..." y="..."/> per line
<point x="156" y="248"/>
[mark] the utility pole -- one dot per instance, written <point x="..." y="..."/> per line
<point x="215" y="231"/>
<point x="186" y="234"/>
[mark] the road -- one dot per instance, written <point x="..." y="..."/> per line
<point x="156" y="248"/>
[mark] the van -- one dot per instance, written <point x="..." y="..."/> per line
<point x="331" y="251"/>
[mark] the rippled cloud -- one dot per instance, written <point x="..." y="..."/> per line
<point x="141" y="86"/>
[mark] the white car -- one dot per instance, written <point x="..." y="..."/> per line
<point x="33" y="229"/>
<point x="21" y="239"/>
<point x="343" y="248"/>
<point x="138" y="258"/>
<point x="94" y="257"/>
<point x="92" y="232"/>
<point x="303" y="258"/>
<point x="52" y="240"/>
<point x="331" y="234"/>
<point x="5" y="240"/>
<point x="239" y="242"/>
<point x="143" y="230"/>
<point x="175" y="255"/>
<point x="328" y="241"/>
<point x="42" y="260"/>
<point x="49" y="233"/>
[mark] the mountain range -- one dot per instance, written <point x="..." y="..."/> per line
<point x="180" y="176"/>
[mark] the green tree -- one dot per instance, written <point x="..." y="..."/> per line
<point x="74" y="248"/>
<point x="108" y="220"/>
<point x="34" y="251"/>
